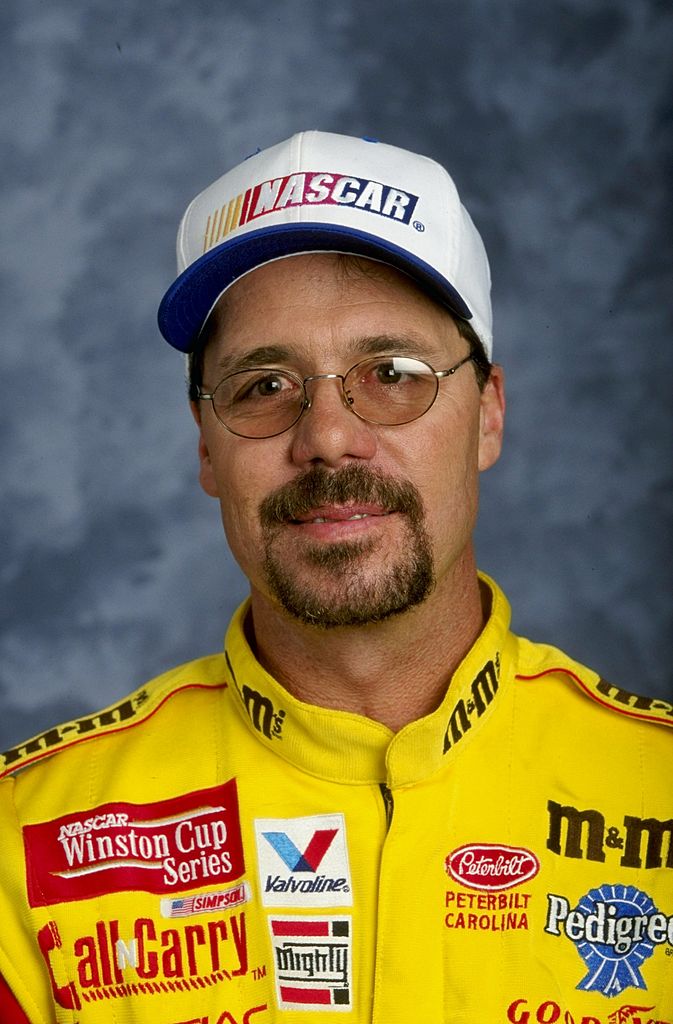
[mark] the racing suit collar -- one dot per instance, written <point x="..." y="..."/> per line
<point x="347" y="747"/>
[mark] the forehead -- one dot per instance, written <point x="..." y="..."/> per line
<point x="303" y="301"/>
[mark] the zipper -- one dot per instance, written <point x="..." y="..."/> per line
<point x="388" y="803"/>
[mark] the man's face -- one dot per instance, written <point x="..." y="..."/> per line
<point x="338" y="521"/>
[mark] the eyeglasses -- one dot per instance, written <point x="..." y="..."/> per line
<point x="385" y="390"/>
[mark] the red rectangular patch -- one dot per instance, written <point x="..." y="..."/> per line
<point x="182" y="843"/>
<point x="300" y="928"/>
<point x="313" y="997"/>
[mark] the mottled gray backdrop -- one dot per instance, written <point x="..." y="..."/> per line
<point x="555" y="119"/>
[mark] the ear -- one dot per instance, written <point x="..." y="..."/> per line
<point x="491" y="418"/>
<point x="206" y="474"/>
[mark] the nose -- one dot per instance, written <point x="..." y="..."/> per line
<point x="328" y="432"/>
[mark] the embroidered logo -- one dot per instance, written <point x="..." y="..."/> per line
<point x="578" y="833"/>
<point x="260" y="710"/>
<point x="491" y="866"/>
<point x="207" y="902"/>
<point x="164" y="847"/>
<point x="467" y="712"/>
<point x="118" y="959"/>
<point x="312" y="959"/>
<point x="521" y="1011"/>
<point x="308" y="189"/>
<point x="303" y="861"/>
<point x="615" y="929"/>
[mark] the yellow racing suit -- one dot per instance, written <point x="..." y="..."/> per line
<point x="213" y="851"/>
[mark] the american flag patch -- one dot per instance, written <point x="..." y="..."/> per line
<point x="312" y="960"/>
<point x="206" y="902"/>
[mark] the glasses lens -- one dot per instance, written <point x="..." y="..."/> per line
<point x="391" y="390"/>
<point x="258" y="403"/>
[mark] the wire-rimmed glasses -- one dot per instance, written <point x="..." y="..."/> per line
<point x="387" y="390"/>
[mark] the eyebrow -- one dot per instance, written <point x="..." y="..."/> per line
<point x="273" y="355"/>
<point x="264" y="355"/>
<point x="391" y="343"/>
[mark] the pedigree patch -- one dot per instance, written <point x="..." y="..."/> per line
<point x="166" y="847"/>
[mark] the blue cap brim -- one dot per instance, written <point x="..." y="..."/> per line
<point x="187" y="303"/>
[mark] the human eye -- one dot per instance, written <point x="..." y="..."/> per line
<point x="394" y="372"/>
<point x="390" y="389"/>
<point x="249" y="387"/>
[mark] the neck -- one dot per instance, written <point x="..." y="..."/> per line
<point x="394" y="671"/>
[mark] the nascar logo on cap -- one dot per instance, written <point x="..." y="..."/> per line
<point x="314" y="193"/>
<point x="308" y="188"/>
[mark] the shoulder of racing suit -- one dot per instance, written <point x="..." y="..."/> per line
<point x="540" y="662"/>
<point x="208" y="673"/>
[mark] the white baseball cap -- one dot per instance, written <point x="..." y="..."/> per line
<point x="319" y="192"/>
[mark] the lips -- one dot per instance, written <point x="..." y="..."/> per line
<point x="336" y="514"/>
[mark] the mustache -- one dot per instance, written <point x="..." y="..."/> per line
<point x="352" y="483"/>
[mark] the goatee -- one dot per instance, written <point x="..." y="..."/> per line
<point x="346" y="588"/>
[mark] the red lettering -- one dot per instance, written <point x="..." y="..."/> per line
<point x="241" y="943"/>
<point x="255" y="1009"/>
<point x="103" y="946"/>
<point x="49" y="939"/>
<point x="87" y="968"/>
<point x="217" y="932"/>
<point x="546" y="1013"/>
<point x="513" y="1008"/>
<point x="194" y="936"/>
<point x="228" y="1018"/>
<point x="102" y="960"/>
<point x="148" y="965"/>
<point x="171" y="959"/>
<point x="114" y="939"/>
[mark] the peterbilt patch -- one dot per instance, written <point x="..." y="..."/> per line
<point x="491" y="866"/>
<point x="163" y="847"/>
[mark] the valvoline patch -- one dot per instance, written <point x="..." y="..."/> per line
<point x="303" y="862"/>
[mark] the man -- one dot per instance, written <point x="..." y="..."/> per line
<point x="377" y="801"/>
